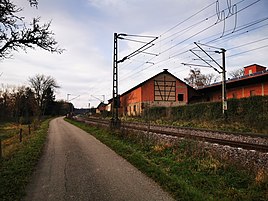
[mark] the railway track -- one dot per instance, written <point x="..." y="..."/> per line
<point x="248" y="142"/>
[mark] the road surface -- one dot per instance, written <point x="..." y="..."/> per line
<point x="76" y="166"/>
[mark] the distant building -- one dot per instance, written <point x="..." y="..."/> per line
<point x="100" y="108"/>
<point x="163" y="89"/>
<point x="254" y="82"/>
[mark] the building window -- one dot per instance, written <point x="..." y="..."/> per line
<point x="180" y="97"/>
<point x="250" y="71"/>
<point x="252" y="92"/>
<point x="134" y="108"/>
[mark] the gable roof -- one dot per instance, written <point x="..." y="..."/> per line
<point x="165" y="71"/>
<point x="102" y="104"/>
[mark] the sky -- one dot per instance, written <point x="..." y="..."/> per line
<point x="85" y="29"/>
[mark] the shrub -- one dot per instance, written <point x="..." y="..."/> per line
<point x="249" y="112"/>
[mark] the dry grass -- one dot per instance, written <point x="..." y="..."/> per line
<point x="9" y="133"/>
<point x="19" y="160"/>
<point x="261" y="176"/>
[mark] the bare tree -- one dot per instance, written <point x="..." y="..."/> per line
<point x="194" y="78"/>
<point x="197" y="79"/>
<point x="16" y="35"/>
<point x="211" y="78"/>
<point x="236" y="73"/>
<point x="41" y="84"/>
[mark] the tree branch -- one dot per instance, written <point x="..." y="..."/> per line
<point x="14" y="36"/>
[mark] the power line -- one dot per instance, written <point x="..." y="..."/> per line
<point x="168" y="58"/>
<point x="187" y="18"/>
<point x="247" y="51"/>
<point x="250" y="43"/>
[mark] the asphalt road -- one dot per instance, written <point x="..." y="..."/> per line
<point x="76" y="166"/>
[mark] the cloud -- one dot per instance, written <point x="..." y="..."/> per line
<point x="85" y="29"/>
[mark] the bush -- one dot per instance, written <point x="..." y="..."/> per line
<point x="249" y="112"/>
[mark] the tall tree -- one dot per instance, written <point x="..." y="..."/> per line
<point x="28" y="105"/>
<point x="5" y="103"/>
<point x="197" y="79"/>
<point x="15" y="34"/>
<point x="43" y="87"/>
<point x="49" y="101"/>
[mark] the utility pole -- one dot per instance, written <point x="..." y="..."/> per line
<point x="70" y="104"/>
<point x="101" y="100"/>
<point x="223" y="71"/>
<point x="115" y="121"/>
<point x="68" y="97"/>
<point x="224" y="99"/>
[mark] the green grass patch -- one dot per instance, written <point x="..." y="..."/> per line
<point x="15" y="171"/>
<point x="185" y="170"/>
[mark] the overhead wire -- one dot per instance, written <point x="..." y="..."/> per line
<point x="247" y="51"/>
<point x="202" y="30"/>
<point x="161" y="35"/>
<point x="173" y="36"/>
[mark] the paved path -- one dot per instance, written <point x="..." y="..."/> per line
<point x="76" y="166"/>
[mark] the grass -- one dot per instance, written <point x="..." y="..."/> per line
<point x="17" y="166"/>
<point x="185" y="170"/>
<point x="8" y="130"/>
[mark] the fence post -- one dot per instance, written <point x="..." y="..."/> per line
<point x="0" y="149"/>
<point x="21" y="135"/>
<point x="29" y="127"/>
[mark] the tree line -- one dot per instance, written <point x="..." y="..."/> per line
<point x="38" y="98"/>
<point x="23" y="104"/>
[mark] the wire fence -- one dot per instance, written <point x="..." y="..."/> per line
<point x="9" y="145"/>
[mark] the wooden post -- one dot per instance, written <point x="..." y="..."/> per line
<point x="0" y="149"/>
<point x="21" y="135"/>
<point x="29" y="128"/>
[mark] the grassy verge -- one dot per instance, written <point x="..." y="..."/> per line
<point x="185" y="170"/>
<point x="16" y="169"/>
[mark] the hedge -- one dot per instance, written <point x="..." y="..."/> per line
<point x="251" y="112"/>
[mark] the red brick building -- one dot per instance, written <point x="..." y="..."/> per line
<point x="163" y="89"/>
<point x="254" y="82"/>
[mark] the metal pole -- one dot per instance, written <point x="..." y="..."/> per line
<point x="115" y="85"/>
<point x="224" y="100"/>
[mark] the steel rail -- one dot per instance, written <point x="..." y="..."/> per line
<point x="162" y="130"/>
